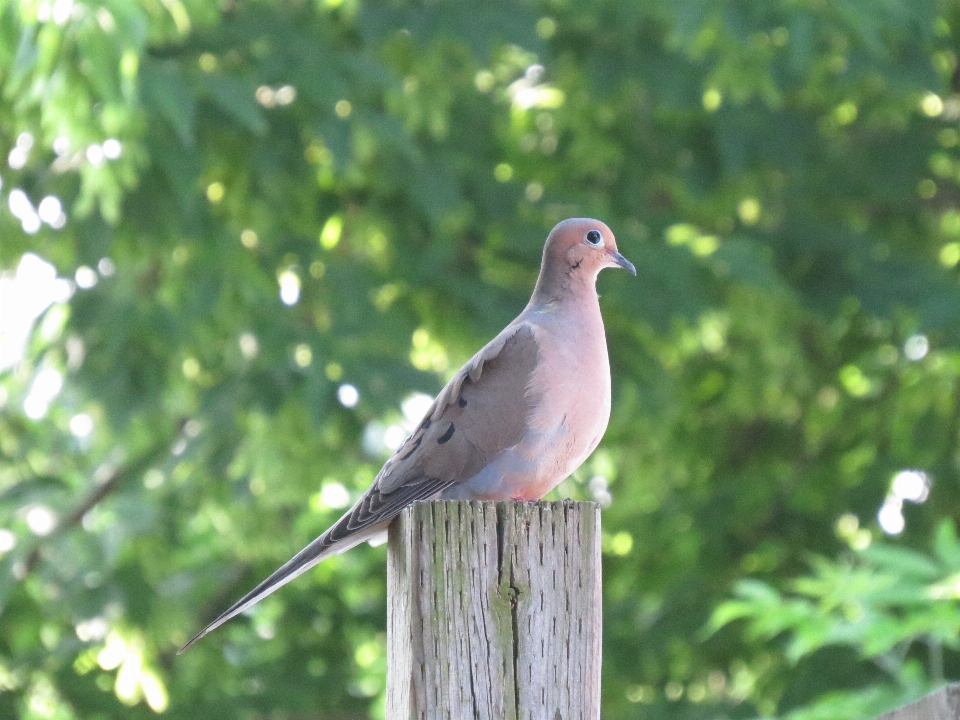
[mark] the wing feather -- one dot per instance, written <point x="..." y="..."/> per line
<point x="483" y="410"/>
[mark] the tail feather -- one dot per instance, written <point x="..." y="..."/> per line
<point x="368" y="519"/>
<point x="320" y="549"/>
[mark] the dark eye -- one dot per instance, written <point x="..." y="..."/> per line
<point x="594" y="237"/>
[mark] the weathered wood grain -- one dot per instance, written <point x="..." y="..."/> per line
<point x="944" y="704"/>
<point x="494" y="611"/>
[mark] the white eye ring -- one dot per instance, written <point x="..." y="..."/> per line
<point x="594" y="237"/>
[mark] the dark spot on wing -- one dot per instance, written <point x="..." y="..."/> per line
<point x="426" y="423"/>
<point x="446" y="435"/>
<point x="413" y="449"/>
<point x="462" y="402"/>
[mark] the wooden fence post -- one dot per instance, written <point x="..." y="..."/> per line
<point x="944" y="704"/>
<point x="493" y="611"/>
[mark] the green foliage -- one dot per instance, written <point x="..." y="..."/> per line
<point x="889" y="604"/>
<point x="785" y="177"/>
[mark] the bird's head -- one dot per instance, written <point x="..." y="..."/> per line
<point x="583" y="246"/>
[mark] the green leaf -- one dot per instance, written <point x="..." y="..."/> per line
<point x="236" y="97"/>
<point x="166" y="90"/>
<point x="903" y="561"/>
<point x="946" y="544"/>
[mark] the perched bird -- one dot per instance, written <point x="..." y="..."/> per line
<point x="517" y="419"/>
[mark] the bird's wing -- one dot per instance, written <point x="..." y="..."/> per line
<point x="482" y="411"/>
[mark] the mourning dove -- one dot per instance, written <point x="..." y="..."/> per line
<point x="517" y="419"/>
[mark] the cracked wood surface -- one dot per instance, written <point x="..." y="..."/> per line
<point x="494" y="611"/>
<point x="943" y="704"/>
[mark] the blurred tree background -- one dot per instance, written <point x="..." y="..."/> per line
<point x="241" y="239"/>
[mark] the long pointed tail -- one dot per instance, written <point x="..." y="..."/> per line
<point x="321" y="548"/>
<point x="368" y="518"/>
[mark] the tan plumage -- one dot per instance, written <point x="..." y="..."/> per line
<point x="515" y="420"/>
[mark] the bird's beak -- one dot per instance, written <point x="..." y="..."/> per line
<point x="623" y="262"/>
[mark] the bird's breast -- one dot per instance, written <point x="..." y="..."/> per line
<point x="574" y="407"/>
<point x="570" y="389"/>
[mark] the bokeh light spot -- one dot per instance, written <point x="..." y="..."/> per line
<point x="81" y="425"/>
<point x="503" y="172"/>
<point x="334" y="495"/>
<point x="289" y="287"/>
<point x="41" y="520"/>
<point x="748" y="210"/>
<point x="712" y="99"/>
<point x="950" y="254"/>
<point x="916" y="347"/>
<point x="931" y="105"/>
<point x="215" y="192"/>
<point x="303" y="355"/>
<point x="330" y="235"/>
<point x="348" y="395"/>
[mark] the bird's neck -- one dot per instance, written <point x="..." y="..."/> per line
<point x="554" y="289"/>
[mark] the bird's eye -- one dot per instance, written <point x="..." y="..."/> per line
<point x="594" y="237"/>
